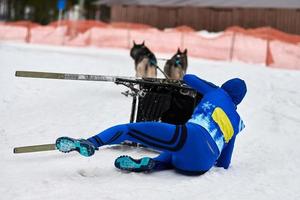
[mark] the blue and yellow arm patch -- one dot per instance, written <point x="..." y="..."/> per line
<point x="221" y="118"/>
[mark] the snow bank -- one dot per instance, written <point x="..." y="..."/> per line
<point x="36" y="111"/>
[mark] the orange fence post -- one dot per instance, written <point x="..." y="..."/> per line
<point x="232" y="46"/>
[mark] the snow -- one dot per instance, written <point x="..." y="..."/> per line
<point x="211" y="35"/>
<point x="37" y="111"/>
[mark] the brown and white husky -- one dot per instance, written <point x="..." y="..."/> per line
<point x="144" y="60"/>
<point x="176" y="67"/>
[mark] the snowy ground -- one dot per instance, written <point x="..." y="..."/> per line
<point x="36" y="111"/>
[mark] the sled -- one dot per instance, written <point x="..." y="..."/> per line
<point x="153" y="99"/>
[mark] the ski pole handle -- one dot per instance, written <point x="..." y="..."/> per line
<point x="35" y="148"/>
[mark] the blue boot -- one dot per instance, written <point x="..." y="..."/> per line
<point x="82" y="146"/>
<point x="127" y="163"/>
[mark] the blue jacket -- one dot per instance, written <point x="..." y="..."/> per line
<point x="216" y="113"/>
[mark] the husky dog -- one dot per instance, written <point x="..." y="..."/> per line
<point x="145" y="61"/>
<point x="176" y="67"/>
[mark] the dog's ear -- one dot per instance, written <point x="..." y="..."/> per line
<point x="134" y="44"/>
<point x="178" y="51"/>
<point x="185" y="51"/>
<point x="143" y="43"/>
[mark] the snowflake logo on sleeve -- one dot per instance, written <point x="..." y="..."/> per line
<point x="206" y="106"/>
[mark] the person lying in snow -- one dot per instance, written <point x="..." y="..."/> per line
<point x="207" y="139"/>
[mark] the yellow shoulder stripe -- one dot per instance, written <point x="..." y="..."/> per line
<point x="221" y="118"/>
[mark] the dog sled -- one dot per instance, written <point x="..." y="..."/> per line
<point x="153" y="99"/>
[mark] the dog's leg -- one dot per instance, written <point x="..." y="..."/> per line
<point x="141" y="68"/>
<point x="176" y="73"/>
<point x="151" y="71"/>
<point x="139" y="71"/>
<point x="167" y="70"/>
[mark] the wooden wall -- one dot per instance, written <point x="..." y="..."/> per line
<point x="211" y="19"/>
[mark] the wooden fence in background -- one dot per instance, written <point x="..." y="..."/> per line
<point x="211" y="19"/>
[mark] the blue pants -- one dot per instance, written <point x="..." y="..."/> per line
<point x="187" y="148"/>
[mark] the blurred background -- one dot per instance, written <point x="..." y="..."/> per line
<point x="260" y="32"/>
<point x="224" y="39"/>
<point x="198" y="14"/>
<point x="46" y="11"/>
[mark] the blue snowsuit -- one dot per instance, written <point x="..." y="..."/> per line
<point x="207" y="139"/>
